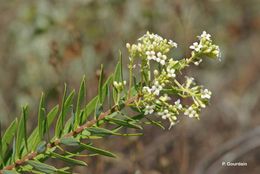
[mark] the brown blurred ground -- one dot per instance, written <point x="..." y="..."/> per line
<point x="48" y="42"/>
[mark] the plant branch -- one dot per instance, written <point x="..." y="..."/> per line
<point x="88" y="124"/>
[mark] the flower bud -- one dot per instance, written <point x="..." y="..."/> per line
<point x="128" y="45"/>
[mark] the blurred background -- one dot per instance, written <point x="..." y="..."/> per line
<point x="45" y="43"/>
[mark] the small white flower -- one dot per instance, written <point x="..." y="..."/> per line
<point x="147" y="89"/>
<point x="150" y="55"/>
<point x="162" y="62"/>
<point x="205" y="35"/>
<point x="178" y="104"/>
<point x="173" y="44"/>
<point x="115" y="84"/>
<point x="171" y="72"/>
<point x="158" y="101"/>
<point x="189" y="81"/>
<point x="165" y="114"/>
<point x="206" y="94"/>
<point x="217" y="52"/>
<point x="134" y="47"/>
<point x="156" y="83"/>
<point x="165" y="97"/>
<point x="156" y="88"/>
<point x="160" y="113"/>
<point x="157" y="37"/>
<point x="190" y="112"/>
<point x="148" y="110"/>
<point x="198" y="62"/>
<point x="196" y="46"/>
<point x="202" y="105"/>
<point x="128" y="46"/>
<point x="139" y="47"/>
<point x="159" y="54"/>
<point x="174" y="118"/>
<point x="163" y="57"/>
<point x="155" y="72"/>
<point x="124" y="82"/>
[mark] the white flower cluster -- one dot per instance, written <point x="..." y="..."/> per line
<point x="171" y="111"/>
<point x="152" y="98"/>
<point x="161" y="93"/>
<point x="196" y="46"/>
<point x="149" y="109"/>
<point x="171" y="72"/>
<point x="152" y="47"/>
<point x="178" y="104"/>
<point x="204" y="47"/>
<point x="159" y="57"/>
<point x="205" y="94"/>
<point x="155" y="89"/>
<point x="173" y="44"/>
<point x="191" y="112"/>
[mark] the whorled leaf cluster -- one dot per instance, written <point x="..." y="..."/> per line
<point x="158" y="89"/>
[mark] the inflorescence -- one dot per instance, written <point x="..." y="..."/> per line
<point x="162" y="93"/>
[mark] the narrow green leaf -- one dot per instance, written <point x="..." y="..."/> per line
<point x="51" y="115"/>
<point x="21" y="132"/>
<point x="118" y="74"/>
<point x="41" y="118"/>
<point x="89" y="109"/>
<point x="8" y="135"/>
<point x="66" y="103"/>
<point x="69" y="141"/>
<point x="80" y="101"/>
<point x="1" y="146"/>
<point x="156" y="123"/>
<point x="25" y="117"/>
<point x="42" y="167"/>
<point x="11" y="153"/>
<point x="136" y="85"/>
<point x="9" y="172"/>
<point x="60" y="121"/>
<point x="97" y="150"/>
<point x="105" y="93"/>
<point x="106" y="89"/>
<point x="124" y="123"/>
<point x="34" y="139"/>
<point x="63" y="170"/>
<point x="69" y="123"/>
<point x="100" y="85"/>
<point x="68" y="160"/>
<point x="118" y="77"/>
<point x="98" y="110"/>
<point x="100" y="131"/>
<point x="138" y="117"/>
